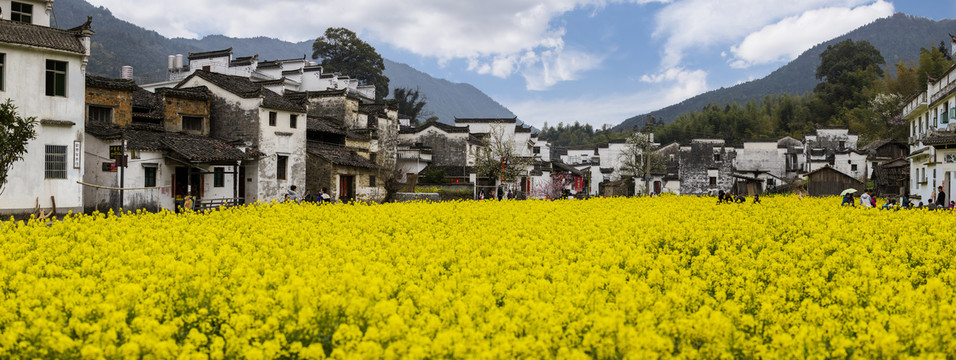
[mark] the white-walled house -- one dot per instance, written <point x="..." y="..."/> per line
<point x="836" y="147"/>
<point x="170" y="153"/>
<point x="276" y="75"/>
<point x="42" y="70"/>
<point x="262" y="123"/>
<point x="931" y="118"/>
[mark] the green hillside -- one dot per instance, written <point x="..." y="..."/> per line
<point x="898" y="37"/>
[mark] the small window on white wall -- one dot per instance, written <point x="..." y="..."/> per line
<point x="21" y="12"/>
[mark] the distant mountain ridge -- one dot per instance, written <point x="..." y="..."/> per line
<point x="117" y="43"/>
<point x="898" y="37"/>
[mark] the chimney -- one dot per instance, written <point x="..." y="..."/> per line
<point x="127" y="72"/>
<point x="171" y="62"/>
<point x="179" y="61"/>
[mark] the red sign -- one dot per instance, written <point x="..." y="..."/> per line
<point x="578" y="183"/>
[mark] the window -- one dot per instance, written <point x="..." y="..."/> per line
<point x="55" y="78"/>
<point x="219" y="177"/>
<point x="536" y="150"/>
<point x="371" y="180"/>
<point x="149" y="174"/>
<point x="2" y="56"/>
<point x="292" y="120"/>
<point x="372" y="157"/>
<point x="713" y="181"/>
<point x="55" y="162"/>
<point x="192" y="123"/>
<point x="272" y="118"/>
<point x="842" y="144"/>
<point x="281" y="163"/>
<point x="771" y="182"/>
<point x="206" y="68"/>
<point x="853" y="167"/>
<point x="946" y="113"/>
<point x="99" y="115"/>
<point x="21" y="12"/>
<point x="716" y="156"/>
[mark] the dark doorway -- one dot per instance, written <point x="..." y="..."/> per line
<point x="180" y="183"/>
<point x="241" y="192"/>
<point x="195" y="183"/>
<point x="657" y="187"/>
<point x="346" y="187"/>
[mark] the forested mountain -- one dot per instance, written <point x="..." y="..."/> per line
<point x="898" y="37"/>
<point x="117" y="43"/>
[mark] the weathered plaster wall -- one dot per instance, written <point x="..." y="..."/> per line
<point x="697" y="165"/>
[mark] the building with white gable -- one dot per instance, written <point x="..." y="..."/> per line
<point x="932" y="142"/>
<point x="276" y="75"/>
<point x="43" y="71"/>
<point x="262" y="123"/>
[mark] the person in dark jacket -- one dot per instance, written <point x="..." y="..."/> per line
<point x="940" y="197"/>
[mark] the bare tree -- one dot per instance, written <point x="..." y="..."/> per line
<point x="639" y="159"/>
<point x="501" y="158"/>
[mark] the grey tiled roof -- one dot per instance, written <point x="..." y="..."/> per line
<point x="339" y="155"/>
<point x="326" y="125"/>
<point x="941" y="138"/>
<point x="42" y="36"/>
<point x="245" y="88"/>
<point x="191" y="148"/>
<point x="486" y="120"/>
<point x="109" y="83"/>
<point x="210" y="54"/>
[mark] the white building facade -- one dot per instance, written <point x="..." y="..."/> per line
<point x="42" y="71"/>
<point x="931" y="118"/>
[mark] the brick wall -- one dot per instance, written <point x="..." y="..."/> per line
<point x="120" y="100"/>
<point x="175" y="108"/>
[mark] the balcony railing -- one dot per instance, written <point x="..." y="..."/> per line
<point x="918" y="103"/>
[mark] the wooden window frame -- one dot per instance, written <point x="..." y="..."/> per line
<point x="21" y="15"/>
<point x="282" y="165"/>
<point x="56" y="77"/>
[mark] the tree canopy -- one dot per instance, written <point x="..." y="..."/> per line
<point x="410" y="103"/>
<point x="343" y="52"/>
<point x="15" y="133"/>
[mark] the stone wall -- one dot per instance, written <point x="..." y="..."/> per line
<point x="176" y="108"/>
<point x="230" y="122"/>
<point x="698" y="164"/>
<point x="120" y="100"/>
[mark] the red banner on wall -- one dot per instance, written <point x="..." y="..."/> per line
<point x="578" y="183"/>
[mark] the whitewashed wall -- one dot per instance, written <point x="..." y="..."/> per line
<point x="24" y="83"/>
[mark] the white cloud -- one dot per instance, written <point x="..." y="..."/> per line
<point x="495" y="35"/>
<point x="787" y="39"/>
<point x="689" y="24"/>
<point x="673" y="87"/>
<point x="559" y="65"/>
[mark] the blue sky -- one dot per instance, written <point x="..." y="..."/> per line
<point x="592" y="61"/>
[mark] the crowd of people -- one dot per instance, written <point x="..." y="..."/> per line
<point x="868" y="200"/>
<point x="322" y="197"/>
<point x="729" y="198"/>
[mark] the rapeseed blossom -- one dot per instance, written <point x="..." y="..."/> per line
<point x="603" y="278"/>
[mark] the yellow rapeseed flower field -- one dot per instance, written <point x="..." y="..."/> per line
<point x="604" y="278"/>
